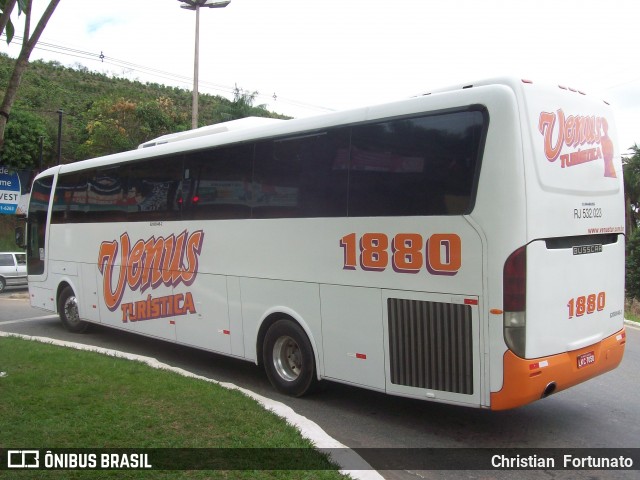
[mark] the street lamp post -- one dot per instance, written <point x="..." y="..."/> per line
<point x="196" y="5"/>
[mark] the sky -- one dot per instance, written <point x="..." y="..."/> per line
<point x="306" y="57"/>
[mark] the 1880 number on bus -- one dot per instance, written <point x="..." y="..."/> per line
<point x="586" y="304"/>
<point x="440" y="254"/>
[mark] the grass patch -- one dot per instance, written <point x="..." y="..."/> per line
<point x="55" y="397"/>
<point x="632" y="310"/>
<point x="631" y="316"/>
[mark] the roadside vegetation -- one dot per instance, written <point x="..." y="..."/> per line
<point x="56" y="397"/>
<point x="7" y="240"/>
<point x="101" y="114"/>
<point x="631" y="170"/>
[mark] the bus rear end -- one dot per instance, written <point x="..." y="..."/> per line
<point x="563" y="287"/>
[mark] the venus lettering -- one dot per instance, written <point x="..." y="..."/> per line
<point x="147" y="264"/>
<point x="576" y="131"/>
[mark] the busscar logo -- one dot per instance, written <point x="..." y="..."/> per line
<point x="148" y="264"/>
<point x="587" y="249"/>
<point x="577" y="132"/>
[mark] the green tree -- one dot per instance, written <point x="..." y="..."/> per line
<point x="631" y="173"/>
<point x="243" y="106"/>
<point x="22" y="141"/>
<point x="123" y="124"/>
<point x="29" y="41"/>
<point x="6" y="9"/>
<point x="632" y="264"/>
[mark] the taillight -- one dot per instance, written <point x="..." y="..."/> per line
<point x="515" y="301"/>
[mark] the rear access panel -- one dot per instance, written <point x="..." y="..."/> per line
<point x="432" y="346"/>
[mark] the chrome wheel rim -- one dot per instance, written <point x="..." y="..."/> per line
<point x="287" y="358"/>
<point x="71" y="310"/>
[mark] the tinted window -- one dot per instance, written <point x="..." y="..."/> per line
<point x="412" y="166"/>
<point x="37" y="224"/>
<point x="153" y="189"/>
<point x="6" y="260"/>
<point x="91" y="196"/>
<point x="304" y="176"/>
<point x="106" y="195"/>
<point x="418" y="166"/>
<point x="217" y="183"/>
<point x="70" y="198"/>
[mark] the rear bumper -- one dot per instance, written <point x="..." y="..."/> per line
<point x="525" y="380"/>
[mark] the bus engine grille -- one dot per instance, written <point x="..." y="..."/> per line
<point x="430" y="345"/>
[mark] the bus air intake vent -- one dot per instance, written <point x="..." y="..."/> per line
<point x="430" y="345"/>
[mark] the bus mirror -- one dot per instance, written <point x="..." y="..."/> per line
<point x="20" y="236"/>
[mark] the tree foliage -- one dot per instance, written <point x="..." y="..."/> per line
<point x="29" y="41"/>
<point x="242" y="105"/>
<point x="22" y="140"/>
<point x="632" y="264"/>
<point x="93" y="102"/>
<point x="121" y="124"/>
<point x="631" y="173"/>
<point x="6" y="9"/>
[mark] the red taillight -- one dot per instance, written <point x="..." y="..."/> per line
<point x="515" y="282"/>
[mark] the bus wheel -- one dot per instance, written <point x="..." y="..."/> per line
<point x="288" y="358"/>
<point x="68" y="306"/>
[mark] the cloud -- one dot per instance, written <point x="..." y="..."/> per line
<point x="95" y="25"/>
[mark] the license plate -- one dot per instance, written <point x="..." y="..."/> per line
<point x="586" y="359"/>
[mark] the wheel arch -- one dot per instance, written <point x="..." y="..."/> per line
<point x="279" y="313"/>
<point x="61" y="286"/>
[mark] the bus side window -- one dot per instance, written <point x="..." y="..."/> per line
<point x="217" y="183"/>
<point x="418" y="166"/>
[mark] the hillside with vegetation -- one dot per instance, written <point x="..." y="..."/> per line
<point x="101" y="114"/>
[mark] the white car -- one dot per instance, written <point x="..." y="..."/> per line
<point x="13" y="269"/>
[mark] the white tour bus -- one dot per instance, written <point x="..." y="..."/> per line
<point x="465" y="246"/>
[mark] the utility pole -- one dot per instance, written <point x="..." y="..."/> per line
<point x="60" y="112"/>
<point x="40" y="155"/>
<point x="196" y="5"/>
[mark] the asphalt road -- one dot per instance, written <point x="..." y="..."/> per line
<point x="601" y="413"/>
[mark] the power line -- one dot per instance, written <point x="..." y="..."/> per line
<point x="81" y="54"/>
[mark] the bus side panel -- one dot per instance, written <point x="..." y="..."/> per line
<point x="352" y="335"/>
<point x="499" y="216"/>
<point x="275" y="299"/>
<point x="150" y="312"/>
<point x="206" y="325"/>
<point x="234" y="299"/>
<point x="88" y="295"/>
<point x="41" y="298"/>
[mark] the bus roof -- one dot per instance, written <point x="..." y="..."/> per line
<point x="231" y="125"/>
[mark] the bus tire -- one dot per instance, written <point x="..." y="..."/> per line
<point x="288" y="358"/>
<point x="69" y="314"/>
